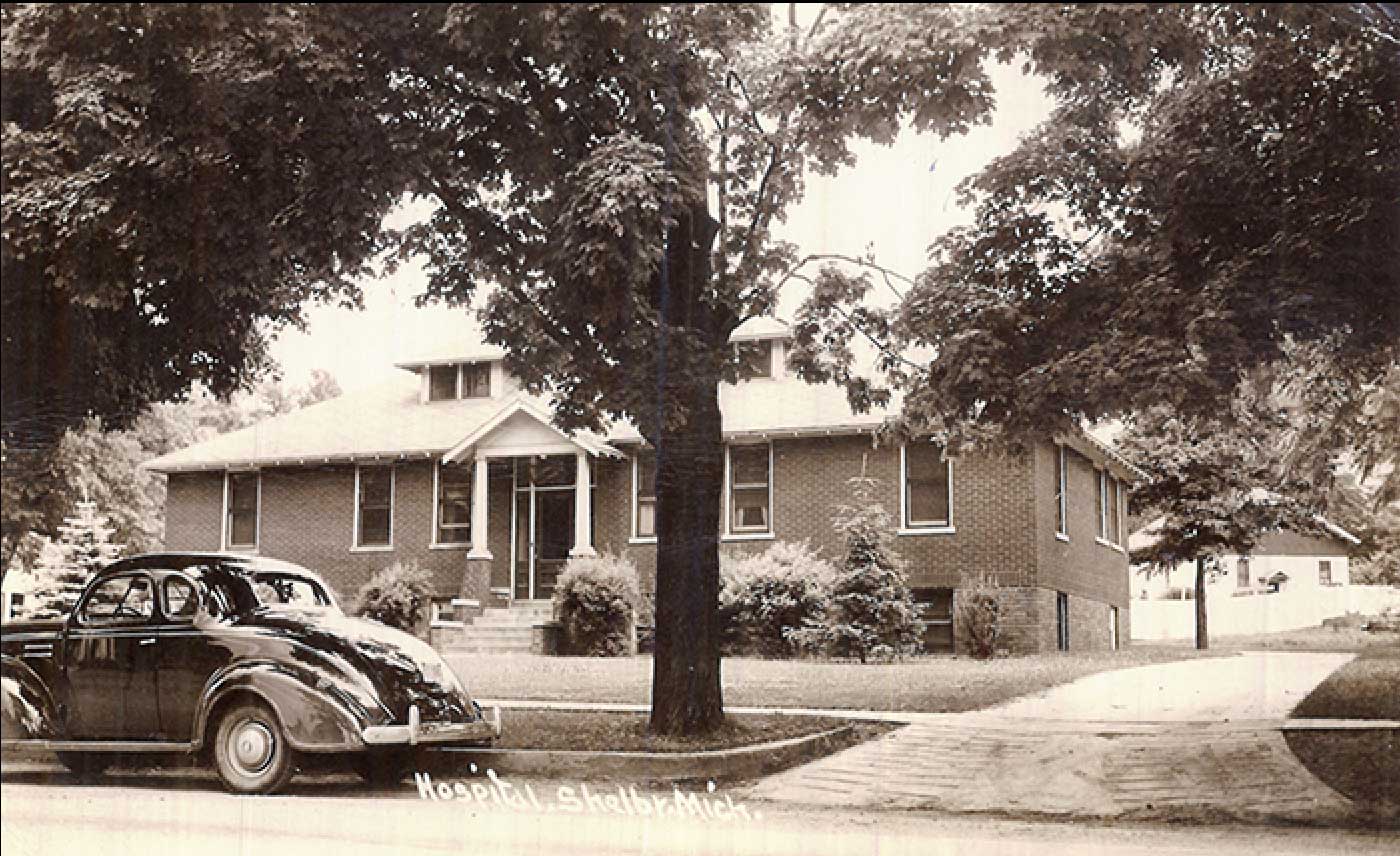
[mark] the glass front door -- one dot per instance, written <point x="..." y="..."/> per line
<point x="544" y="525"/>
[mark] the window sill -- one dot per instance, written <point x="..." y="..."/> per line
<point x="636" y="540"/>
<point x="928" y="530"/>
<point x="466" y="546"/>
<point x="447" y="625"/>
<point x="376" y="548"/>
<point x="1060" y="536"/>
<point x="748" y="536"/>
<point x="248" y="549"/>
<point x="1109" y="544"/>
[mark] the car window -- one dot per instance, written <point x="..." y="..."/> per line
<point x="120" y="600"/>
<point x="181" y="599"/>
<point x="279" y="589"/>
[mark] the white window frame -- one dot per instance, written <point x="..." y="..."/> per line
<point x="434" y="543"/>
<point x="768" y="344"/>
<point x="1247" y="565"/>
<point x="730" y="533"/>
<point x="1328" y="579"/>
<point x="462" y="380"/>
<point x="355" y="545"/>
<point x="1104" y="536"/>
<point x="225" y="530"/>
<point x="1062" y="488"/>
<point x="456" y="386"/>
<point x="636" y="537"/>
<point x="920" y="527"/>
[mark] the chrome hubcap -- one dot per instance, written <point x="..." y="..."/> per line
<point x="251" y="747"/>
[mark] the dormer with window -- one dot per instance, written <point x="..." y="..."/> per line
<point x="760" y="346"/>
<point x="475" y="373"/>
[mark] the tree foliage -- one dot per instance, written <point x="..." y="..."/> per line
<point x="83" y="548"/>
<point x="1215" y="184"/>
<point x="178" y="181"/>
<point x="871" y="611"/>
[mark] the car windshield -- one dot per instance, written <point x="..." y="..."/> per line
<point x="279" y="589"/>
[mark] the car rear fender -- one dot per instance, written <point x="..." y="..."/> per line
<point x="27" y="709"/>
<point x="315" y="715"/>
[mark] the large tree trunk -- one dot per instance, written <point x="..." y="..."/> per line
<point x="1202" y="637"/>
<point x="685" y="690"/>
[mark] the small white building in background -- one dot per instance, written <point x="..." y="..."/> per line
<point x="16" y="593"/>
<point x="1288" y="581"/>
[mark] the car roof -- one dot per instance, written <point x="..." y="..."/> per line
<point x="179" y="561"/>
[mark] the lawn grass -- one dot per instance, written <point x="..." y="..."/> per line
<point x="1366" y="688"/>
<point x="1363" y="765"/>
<point x="627" y="732"/>
<point x="1319" y="639"/>
<point x="925" y="684"/>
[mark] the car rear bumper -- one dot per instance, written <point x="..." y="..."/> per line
<point x="416" y="732"/>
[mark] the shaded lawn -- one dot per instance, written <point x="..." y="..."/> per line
<point x="627" y="732"/>
<point x="1320" y="639"/>
<point x="1363" y="765"/>
<point x="927" y="684"/>
<point x="1366" y="688"/>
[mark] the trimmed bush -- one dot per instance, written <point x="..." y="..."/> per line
<point x="397" y="596"/>
<point x="766" y="596"/>
<point x="871" y="614"/>
<point x="979" y="614"/>
<point x="596" y="599"/>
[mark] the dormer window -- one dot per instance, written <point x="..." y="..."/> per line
<point x="755" y="359"/>
<point x="460" y="380"/>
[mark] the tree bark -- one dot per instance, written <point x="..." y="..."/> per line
<point x="685" y="693"/>
<point x="1202" y="637"/>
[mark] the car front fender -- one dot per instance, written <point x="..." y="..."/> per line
<point x="27" y="709"/>
<point x="315" y="711"/>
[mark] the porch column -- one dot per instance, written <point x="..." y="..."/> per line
<point x="583" y="508"/>
<point x="479" y="549"/>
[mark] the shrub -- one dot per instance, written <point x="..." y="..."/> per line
<point x="766" y="596"/>
<point x="871" y="614"/>
<point x="596" y="600"/>
<point x="397" y="596"/>
<point x="979" y="613"/>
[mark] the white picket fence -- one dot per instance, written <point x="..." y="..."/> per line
<point x="1260" y="613"/>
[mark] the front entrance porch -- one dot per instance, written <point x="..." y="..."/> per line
<point x="537" y="482"/>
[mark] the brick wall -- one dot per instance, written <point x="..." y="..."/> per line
<point x="307" y="517"/>
<point x="1080" y="566"/>
<point x="992" y="510"/>
<point x="193" y="505"/>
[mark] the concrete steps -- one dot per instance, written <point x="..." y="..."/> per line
<point x="500" y="630"/>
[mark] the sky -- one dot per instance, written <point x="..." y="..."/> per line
<point x="898" y="199"/>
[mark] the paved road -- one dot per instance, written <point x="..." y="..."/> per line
<point x="46" y="812"/>
<point x="1198" y="739"/>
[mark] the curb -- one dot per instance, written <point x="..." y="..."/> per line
<point x="744" y="762"/>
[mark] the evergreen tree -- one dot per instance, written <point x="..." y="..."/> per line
<point x="872" y="610"/>
<point x="84" y="547"/>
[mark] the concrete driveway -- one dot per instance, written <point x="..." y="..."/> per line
<point x="1192" y="740"/>
<point x="1251" y="686"/>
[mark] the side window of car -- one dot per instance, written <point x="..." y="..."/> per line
<point x="181" y="599"/>
<point x="120" y="600"/>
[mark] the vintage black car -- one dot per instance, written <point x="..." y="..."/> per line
<point x="245" y="658"/>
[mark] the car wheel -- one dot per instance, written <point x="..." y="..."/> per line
<point x="382" y="768"/>
<point x="84" y="763"/>
<point x="251" y="753"/>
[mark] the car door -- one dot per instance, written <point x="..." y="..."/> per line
<point x="110" y="662"/>
<point x="187" y="654"/>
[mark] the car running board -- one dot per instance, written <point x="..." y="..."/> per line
<point x="97" y="745"/>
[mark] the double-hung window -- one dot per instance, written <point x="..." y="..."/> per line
<point x="1324" y="572"/>
<point x="453" y="521"/>
<point x="751" y="490"/>
<point x="374" y="506"/>
<point x="1242" y="573"/>
<point x="1110" y="509"/>
<point x="644" y="494"/>
<point x="1061" y="493"/>
<point x="755" y="359"/>
<point x="241" y="497"/>
<point x="928" y="487"/>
